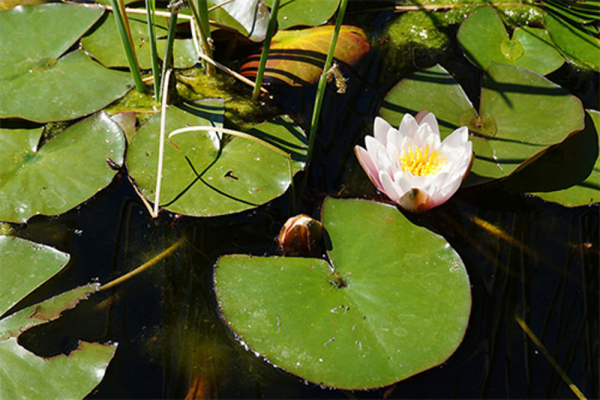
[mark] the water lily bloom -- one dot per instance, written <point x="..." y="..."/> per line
<point x="411" y="165"/>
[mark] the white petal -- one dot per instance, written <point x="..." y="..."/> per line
<point x="389" y="188"/>
<point x="393" y="154"/>
<point x="408" y="126"/>
<point x="373" y="145"/>
<point x="429" y="119"/>
<point x="457" y="138"/>
<point x="450" y="187"/>
<point x="401" y="182"/>
<point x="364" y="158"/>
<point x="380" y="129"/>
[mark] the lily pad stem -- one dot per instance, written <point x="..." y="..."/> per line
<point x="120" y="20"/>
<point x="145" y="266"/>
<point x="265" y="50"/>
<point x="323" y="82"/>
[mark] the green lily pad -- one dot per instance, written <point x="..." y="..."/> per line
<point x="574" y="43"/>
<point x="24" y="266"/>
<point x="484" y="39"/>
<point x="64" y="172"/>
<point x="559" y="177"/>
<point x="105" y="45"/>
<point x="396" y="303"/>
<point x="304" y="12"/>
<point x="521" y="114"/>
<point x="34" y="83"/>
<point x="205" y="176"/>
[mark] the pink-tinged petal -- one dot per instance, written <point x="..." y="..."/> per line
<point x="364" y="158"/>
<point x="389" y="188"/>
<point x="384" y="163"/>
<point x="416" y="201"/>
<point x="424" y="117"/>
<point x="373" y="145"/>
<point x="380" y="130"/>
<point x="408" y="126"/>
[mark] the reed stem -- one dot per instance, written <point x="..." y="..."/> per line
<point x="150" y="18"/>
<point x="120" y="19"/>
<point x="323" y="81"/>
<point x="265" y="50"/>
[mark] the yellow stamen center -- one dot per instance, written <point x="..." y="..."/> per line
<point x="421" y="163"/>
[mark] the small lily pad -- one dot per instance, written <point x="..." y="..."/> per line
<point x="63" y="173"/>
<point x="484" y="39"/>
<point x="37" y="85"/>
<point x="24" y="266"/>
<point x="395" y="300"/>
<point x="304" y="12"/>
<point x="206" y="176"/>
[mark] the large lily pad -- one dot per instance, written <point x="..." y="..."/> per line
<point x="34" y="83"/>
<point x="106" y="46"/>
<point x="568" y="173"/>
<point x="63" y="173"/>
<point x="396" y="303"/>
<point x="204" y="176"/>
<point x="575" y="43"/>
<point x="297" y="57"/>
<point x="304" y="12"/>
<point x="521" y="114"/>
<point x="484" y="39"/>
<point x="24" y="266"/>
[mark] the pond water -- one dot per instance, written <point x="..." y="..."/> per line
<point x="526" y="259"/>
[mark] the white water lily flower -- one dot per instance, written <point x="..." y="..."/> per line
<point x="411" y="165"/>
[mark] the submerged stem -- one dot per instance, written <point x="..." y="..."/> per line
<point x="145" y="266"/>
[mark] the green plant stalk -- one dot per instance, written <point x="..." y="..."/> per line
<point x="128" y="46"/>
<point x="168" y="57"/>
<point x="150" y="10"/>
<point x="323" y="82"/>
<point x="200" y="12"/>
<point x="265" y="51"/>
